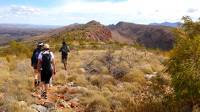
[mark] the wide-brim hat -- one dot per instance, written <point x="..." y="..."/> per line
<point x="46" y="46"/>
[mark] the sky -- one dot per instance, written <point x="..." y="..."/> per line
<point x="65" y="12"/>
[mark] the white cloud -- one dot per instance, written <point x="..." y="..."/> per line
<point x="107" y="12"/>
<point x="192" y="10"/>
<point x="142" y="11"/>
<point x="23" y="10"/>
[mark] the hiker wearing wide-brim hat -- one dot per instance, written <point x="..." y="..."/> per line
<point x="46" y="66"/>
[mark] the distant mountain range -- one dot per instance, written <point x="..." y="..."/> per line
<point x="151" y="36"/>
<point x="19" y="31"/>
<point x="176" y="24"/>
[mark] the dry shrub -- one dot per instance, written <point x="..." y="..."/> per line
<point x="12" y="62"/>
<point x="101" y="80"/>
<point x="106" y="92"/>
<point x="96" y="81"/>
<point x="18" y="106"/>
<point x="60" y="77"/>
<point x="125" y="102"/>
<point x="114" y="64"/>
<point x="72" y="78"/>
<point x="131" y="87"/>
<point x="157" y="67"/>
<point x="116" y="105"/>
<point x="81" y="80"/>
<point x="92" y="68"/>
<point x="98" y="103"/>
<point x="147" y="69"/>
<point x="111" y="88"/>
<point x="119" y="72"/>
<point x="108" y="60"/>
<point x="16" y="85"/>
<point x="17" y="88"/>
<point x="8" y="58"/>
<point x="135" y="75"/>
<point x="23" y="67"/>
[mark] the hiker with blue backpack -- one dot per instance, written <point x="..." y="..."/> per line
<point x="46" y="67"/>
<point x="64" y="54"/>
<point x="34" y="63"/>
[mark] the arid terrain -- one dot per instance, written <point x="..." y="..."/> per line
<point x="96" y="81"/>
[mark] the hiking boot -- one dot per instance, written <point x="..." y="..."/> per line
<point x="44" y="95"/>
<point x="38" y="83"/>
<point x="35" y="83"/>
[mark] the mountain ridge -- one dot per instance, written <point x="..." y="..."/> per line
<point x="150" y="36"/>
<point x="168" y="24"/>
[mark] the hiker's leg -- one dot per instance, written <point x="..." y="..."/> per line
<point x="42" y="86"/>
<point x="46" y="87"/>
<point x="51" y="82"/>
<point x="42" y="79"/>
<point x="35" y="77"/>
<point x="65" y="62"/>
<point x="65" y="66"/>
<point x="43" y="92"/>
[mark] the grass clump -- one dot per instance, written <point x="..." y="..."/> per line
<point x="98" y="103"/>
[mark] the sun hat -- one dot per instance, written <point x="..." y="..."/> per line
<point x="46" y="46"/>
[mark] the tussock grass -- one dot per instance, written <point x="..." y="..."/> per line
<point x="118" y="86"/>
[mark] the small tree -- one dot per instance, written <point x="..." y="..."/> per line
<point x="184" y="63"/>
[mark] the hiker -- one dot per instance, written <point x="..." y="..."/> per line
<point x="64" y="53"/>
<point x="34" y="62"/>
<point x="46" y="66"/>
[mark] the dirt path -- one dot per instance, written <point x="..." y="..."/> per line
<point x="64" y="98"/>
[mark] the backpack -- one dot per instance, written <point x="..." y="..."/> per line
<point x="34" y="59"/>
<point x="65" y="50"/>
<point x="46" y="61"/>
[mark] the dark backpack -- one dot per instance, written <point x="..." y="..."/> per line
<point x="34" y="59"/>
<point x="65" y="50"/>
<point x="46" y="61"/>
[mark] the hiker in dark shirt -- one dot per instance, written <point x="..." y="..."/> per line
<point x="64" y="54"/>
<point x="34" y="62"/>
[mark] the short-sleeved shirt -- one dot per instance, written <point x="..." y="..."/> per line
<point x="52" y="57"/>
<point x="45" y="52"/>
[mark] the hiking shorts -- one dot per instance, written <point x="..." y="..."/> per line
<point x="46" y="76"/>
<point x="35" y="66"/>
<point x="64" y="59"/>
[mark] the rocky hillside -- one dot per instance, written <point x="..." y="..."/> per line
<point x="147" y="35"/>
<point x="92" y="30"/>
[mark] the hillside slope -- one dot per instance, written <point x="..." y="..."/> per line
<point x="92" y="30"/>
<point x="147" y="35"/>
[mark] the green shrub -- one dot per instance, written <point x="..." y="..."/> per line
<point x="184" y="63"/>
<point x="19" y="49"/>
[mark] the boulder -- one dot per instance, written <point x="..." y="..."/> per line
<point x="39" y="108"/>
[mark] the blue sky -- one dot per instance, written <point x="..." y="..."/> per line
<point x="64" y="12"/>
